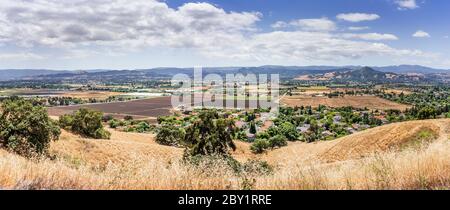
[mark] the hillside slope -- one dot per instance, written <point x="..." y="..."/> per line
<point x="372" y="159"/>
<point x="362" y="144"/>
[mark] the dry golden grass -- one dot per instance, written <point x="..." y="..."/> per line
<point x="370" y="102"/>
<point x="135" y="161"/>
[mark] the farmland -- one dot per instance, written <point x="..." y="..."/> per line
<point x="370" y="102"/>
<point x="145" y="108"/>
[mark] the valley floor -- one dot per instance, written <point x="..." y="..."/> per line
<point x="408" y="155"/>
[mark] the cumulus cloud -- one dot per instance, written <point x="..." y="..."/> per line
<point x="321" y="24"/>
<point x="116" y="22"/>
<point x="406" y="4"/>
<point x="83" y="28"/>
<point x="421" y="34"/>
<point x="20" y="56"/>
<point x="357" y="17"/>
<point x="371" y="36"/>
<point x="358" y="28"/>
<point x="279" y="24"/>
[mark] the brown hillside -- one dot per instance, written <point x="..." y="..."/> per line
<point x="367" y="160"/>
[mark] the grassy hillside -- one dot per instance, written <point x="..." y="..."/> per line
<point x="410" y="155"/>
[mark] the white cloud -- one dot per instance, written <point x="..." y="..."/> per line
<point x="279" y="24"/>
<point x="421" y="34"/>
<point x="371" y="36"/>
<point x="321" y="24"/>
<point x="83" y="29"/>
<point x="357" y="17"/>
<point x="406" y="4"/>
<point x="358" y="28"/>
<point x="142" y="23"/>
<point x="20" y="56"/>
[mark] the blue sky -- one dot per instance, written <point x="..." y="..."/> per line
<point x="117" y="34"/>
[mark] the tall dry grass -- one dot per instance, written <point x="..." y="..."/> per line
<point x="134" y="161"/>
<point x="424" y="168"/>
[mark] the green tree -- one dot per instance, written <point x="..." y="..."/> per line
<point x="252" y="128"/>
<point x="85" y="122"/>
<point x="209" y="135"/>
<point x="26" y="128"/>
<point x="289" y="131"/>
<point x="170" y="135"/>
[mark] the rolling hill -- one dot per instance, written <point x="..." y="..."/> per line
<point x="395" y="156"/>
<point x="285" y="72"/>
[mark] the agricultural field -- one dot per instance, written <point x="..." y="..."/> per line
<point x="144" y="108"/>
<point x="84" y="95"/>
<point x="370" y="102"/>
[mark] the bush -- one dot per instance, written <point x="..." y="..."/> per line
<point x="107" y="118"/>
<point x="128" y="118"/>
<point x="66" y="121"/>
<point x="278" y="141"/>
<point x="170" y="136"/>
<point x="142" y="127"/>
<point x="114" y="123"/>
<point x="85" y="122"/>
<point x="257" y="168"/>
<point x="259" y="146"/>
<point x="289" y="131"/>
<point x="26" y="128"/>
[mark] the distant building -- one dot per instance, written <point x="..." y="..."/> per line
<point x="337" y="119"/>
<point x="304" y="128"/>
<point x="327" y="133"/>
<point x="240" y="124"/>
<point x="251" y="137"/>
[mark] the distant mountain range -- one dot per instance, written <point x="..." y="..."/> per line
<point x="344" y="72"/>
<point x="367" y="74"/>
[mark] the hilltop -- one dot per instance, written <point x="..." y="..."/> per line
<point x="286" y="72"/>
<point x="408" y="155"/>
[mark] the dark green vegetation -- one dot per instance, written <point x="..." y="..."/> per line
<point x="309" y="124"/>
<point x="26" y="128"/>
<point x="211" y="134"/>
<point x="85" y="122"/>
<point x="170" y="135"/>
<point x="428" y="102"/>
<point x="130" y="125"/>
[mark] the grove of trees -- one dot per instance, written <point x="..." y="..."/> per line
<point x="26" y="128"/>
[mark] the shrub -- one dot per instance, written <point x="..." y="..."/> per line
<point x="259" y="146"/>
<point x="263" y="135"/>
<point x="257" y="168"/>
<point x="87" y="123"/>
<point x="114" y="123"/>
<point x="289" y="131"/>
<point x="107" y="118"/>
<point x="142" y="127"/>
<point x="128" y="118"/>
<point x="170" y="136"/>
<point x="278" y="141"/>
<point x="26" y="128"/>
<point x="66" y="121"/>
